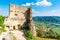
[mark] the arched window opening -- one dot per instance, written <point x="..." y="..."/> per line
<point x="8" y="26"/>
<point x="14" y="27"/>
<point x="16" y="15"/>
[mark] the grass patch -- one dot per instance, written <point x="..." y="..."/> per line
<point x="14" y="38"/>
<point x="29" y="35"/>
<point x="2" y="30"/>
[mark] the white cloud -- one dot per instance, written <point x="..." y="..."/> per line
<point x="27" y="4"/>
<point x="39" y="3"/>
<point x="35" y="13"/>
<point x="55" y="12"/>
<point x="43" y="3"/>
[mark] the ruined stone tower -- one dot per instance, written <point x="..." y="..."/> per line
<point x="19" y="16"/>
<point x="16" y="16"/>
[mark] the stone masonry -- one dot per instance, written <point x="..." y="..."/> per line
<point x="18" y="16"/>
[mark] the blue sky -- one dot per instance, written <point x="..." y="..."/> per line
<point x="39" y="7"/>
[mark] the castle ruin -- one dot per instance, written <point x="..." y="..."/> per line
<point x="19" y="16"/>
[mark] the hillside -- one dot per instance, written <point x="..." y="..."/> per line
<point x="49" y="23"/>
<point x="47" y="19"/>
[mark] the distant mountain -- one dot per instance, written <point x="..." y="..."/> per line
<point x="47" y="19"/>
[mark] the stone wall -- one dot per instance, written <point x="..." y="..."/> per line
<point x="19" y="16"/>
<point x="16" y="16"/>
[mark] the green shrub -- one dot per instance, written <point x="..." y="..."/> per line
<point x="29" y="35"/>
<point x="39" y="33"/>
<point x="2" y="24"/>
<point x="51" y="34"/>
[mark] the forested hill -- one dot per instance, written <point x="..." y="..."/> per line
<point x="46" y="19"/>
